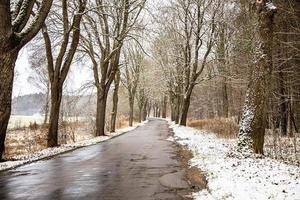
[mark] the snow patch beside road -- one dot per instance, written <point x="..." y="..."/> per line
<point x="49" y="152"/>
<point x="236" y="178"/>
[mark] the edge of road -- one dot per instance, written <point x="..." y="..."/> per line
<point x="50" y="153"/>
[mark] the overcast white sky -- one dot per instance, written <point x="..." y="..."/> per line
<point x="78" y="75"/>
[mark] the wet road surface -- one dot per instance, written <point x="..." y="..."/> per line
<point x="127" y="167"/>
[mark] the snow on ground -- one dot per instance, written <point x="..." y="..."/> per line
<point x="236" y="178"/>
<point x="49" y="152"/>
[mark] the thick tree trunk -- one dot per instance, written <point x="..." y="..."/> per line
<point x="7" y="64"/>
<point x="253" y="123"/>
<point x="8" y="57"/>
<point x="56" y="97"/>
<point x="140" y="115"/>
<point x="186" y="105"/>
<point x="101" y="112"/>
<point x="10" y="46"/>
<point x="177" y="109"/>
<point x="185" y="110"/>
<point x="115" y="103"/>
<point x="172" y="113"/>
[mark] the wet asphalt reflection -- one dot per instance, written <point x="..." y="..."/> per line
<point x="126" y="168"/>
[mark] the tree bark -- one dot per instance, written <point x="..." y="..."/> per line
<point x="164" y="107"/>
<point x="131" y="104"/>
<point x="253" y="123"/>
<point x="185" y="106"/>
<point x="13" y="36"/>
<point x="185" y="110"/>
<point x="225" y="98"/>
<point x="101" y="112"/>
<point x="140" y="115"/>
<point x="7" y="63"/>
<point x="56" y="97"/>
<point x="115" y="103"/>
<point x="145" y="111"/>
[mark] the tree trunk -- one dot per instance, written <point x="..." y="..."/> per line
<point x="177" y="109"/>
<point x="10" y="46"/>
<point x="159" y="112"/>
<point x="185" y="110"/>
<point x="47" y="104"/>
<point x="172" y="113"/>
<point x="131" y="104"/>
<point x="225" y="98"/>
<point x="164" y="107"/>
<point x="115" y="103"/>
<point x="7" y="64"/>
<point x="283" y="106"/>
<point x="56" y="97"/>
<point x="185" y="106"/>
<point x="149" y="106"/>
<point x="253" y="123"/>
<point x="290" y="118"/>
<point x="144" y="111"/>
<point x="101" y="112"/>
<point x="140" y="115"/>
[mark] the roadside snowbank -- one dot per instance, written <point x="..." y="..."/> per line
<point x="234" y="178"/>
<point x="49" y="152"/>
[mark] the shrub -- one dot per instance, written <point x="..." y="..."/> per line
<point x="222" y="127"/>
<point x="33" y="126"/>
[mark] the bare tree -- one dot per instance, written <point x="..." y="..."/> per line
<point x="115" y="102"/>
<point x="20" y="22"/>
<point x="58" y="67"/>
<point x="40" y="79"/>
<point x="253" y="123"/>
<point x="141" y="102"/>
<point x="191" y="27"/>
<point x="131" y="77"/>
<point x="106" y="27"/>
<point x="202" y="28"/>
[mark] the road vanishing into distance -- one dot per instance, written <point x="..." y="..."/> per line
<point x="127" y="167"/>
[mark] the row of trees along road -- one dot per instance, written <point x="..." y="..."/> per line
<point x="192" y="42"/>
<point x="99" y="28"/>
<point x="232" y="41"/>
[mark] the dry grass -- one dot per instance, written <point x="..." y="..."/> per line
<point x="20" y="141"/>
<point x="24" y="141"/>
<point x="222" y="127"/>
<point x="276" y="146"/>
<point x="195" y="177"/>
<point x="282" y="147"/>
<point x="33" y="138"/>
<point x="122" y="122"/>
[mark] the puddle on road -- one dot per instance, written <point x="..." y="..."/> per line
<point x="174" y="180"/>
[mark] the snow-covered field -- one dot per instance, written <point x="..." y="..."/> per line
<point x="19" y="121"/>
<point x="29" y="158"/>
<point x="237" y="178"/>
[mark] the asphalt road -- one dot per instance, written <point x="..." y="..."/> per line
<point x="127" y="167"/>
